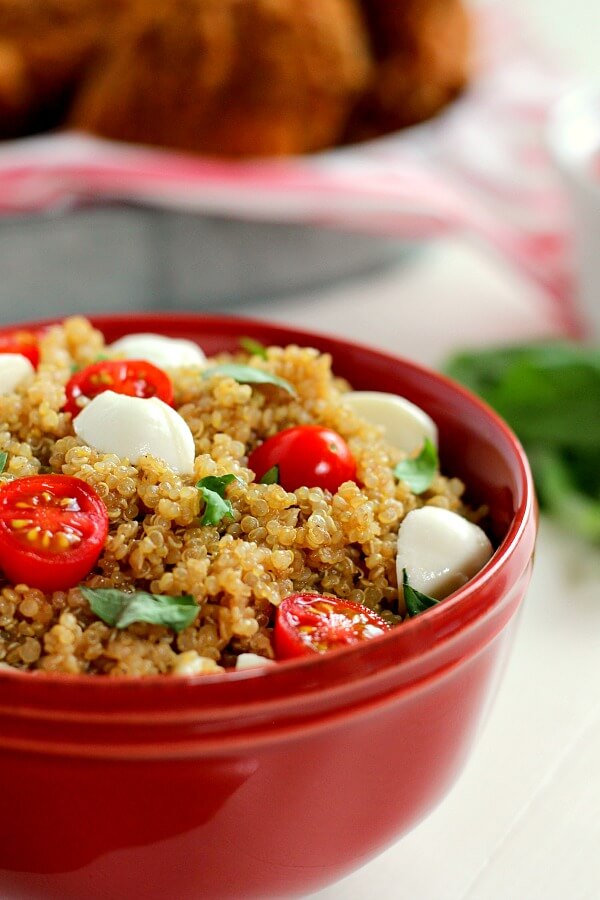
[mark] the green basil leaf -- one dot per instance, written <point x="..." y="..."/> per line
<point x="216" y="506"/>
<point x="419" y="471"/>
<point x="254" y="348"/>
<point x="549" y="393"/>
<point x="3" y="461"/>
<point x="271" y="476"/>
<point x="415" y="601"/>
<point x="120" y="608"/>
<point x="561" y="496"/>
<point x="249" y="375"/>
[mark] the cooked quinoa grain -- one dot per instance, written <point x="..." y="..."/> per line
<point x="274" y="543"/>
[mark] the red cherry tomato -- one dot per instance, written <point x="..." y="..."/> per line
<point x="52" y="529"/>
<point x="309" y="623"/>
<point x="133" y="377"/>
<point x="305" y="456"/>
<point x="23" y="342"/>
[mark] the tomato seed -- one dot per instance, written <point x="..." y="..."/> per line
<point x="20" y="523"/>
<point x="63" y="541"/>
<point x="71" y="502"/>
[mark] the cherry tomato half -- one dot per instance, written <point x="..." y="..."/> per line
<point x="23" y="342"/>
<point x="133" y="377"/>
<point x="306" y="456"/>
<point x="52" y="529"/>
<point x="309" y="623"/>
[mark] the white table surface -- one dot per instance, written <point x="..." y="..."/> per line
<point x="523" y="821"/>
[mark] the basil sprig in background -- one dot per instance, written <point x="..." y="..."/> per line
<point x="549" y="393"/>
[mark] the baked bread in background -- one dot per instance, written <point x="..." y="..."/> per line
<point x="230" y="77"/>
<point x="235" y="78"/>
<point x="422" y="57"/>
<point x="46" y="47"/>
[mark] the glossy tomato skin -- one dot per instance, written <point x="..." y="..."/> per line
<point x="52" y="530"/>
<point x="310" y="623"/>
<point x="23" y="342"/>
<point x="133" y="377"/>
<point x="306" y="456"/>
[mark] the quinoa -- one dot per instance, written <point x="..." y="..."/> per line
<point x="275" y="543"/>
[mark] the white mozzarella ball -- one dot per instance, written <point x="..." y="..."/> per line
<point x="164" y="352"/>
<point x="440" y="550"/>
<point x="406" y="425"/>
<point x="133" y="427"/>
<point x="252" y="661"/>
<point x="14" y="368"/>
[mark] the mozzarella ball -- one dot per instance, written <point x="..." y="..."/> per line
<point x="405" y="425"/>
<point x="14" y="368"/>
<point x="133" y="427"/>
<point x="161" y="351"/>
<point x="440" y="550"/>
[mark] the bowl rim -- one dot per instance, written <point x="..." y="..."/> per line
<point x="418" y="638"/>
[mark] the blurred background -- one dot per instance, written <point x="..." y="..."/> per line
<point x="89" y="224"/>
<point x="416" y="203"/>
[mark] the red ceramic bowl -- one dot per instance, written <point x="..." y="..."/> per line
<point x="258" y="784"/>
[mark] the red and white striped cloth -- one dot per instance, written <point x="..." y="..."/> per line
<point x="481" y="168"/>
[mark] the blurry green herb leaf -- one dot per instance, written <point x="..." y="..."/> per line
<point x="271" y="476"/>
<point x="415" y="601"/>
<point x="216" y="506"/>
<point x="561" y="496"/>
<point x="549" y="393"/>
<point x="249" y="375"/>
<point x="419" y="471"/>
<point x="120" y="609"/>
<point x="3" y="461"/>
<point x="76" y="367"/>
<point x="254" y="348"/>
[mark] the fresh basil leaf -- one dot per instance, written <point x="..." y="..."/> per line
<point x="3" y="461"/>
<point x="415" y="601"/>
<point x="419" y="471"/>
<point x="549" y="393"/>
<point x="271" y="476"/>
<point x="120" y="609"/>
<point x="216" y="506"/>
<point x="561" y="496"/>
<point x="249" y="375"/>
<point x="254" y="348"/>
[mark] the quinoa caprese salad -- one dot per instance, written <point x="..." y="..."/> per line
<point x="166" y="513"/>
